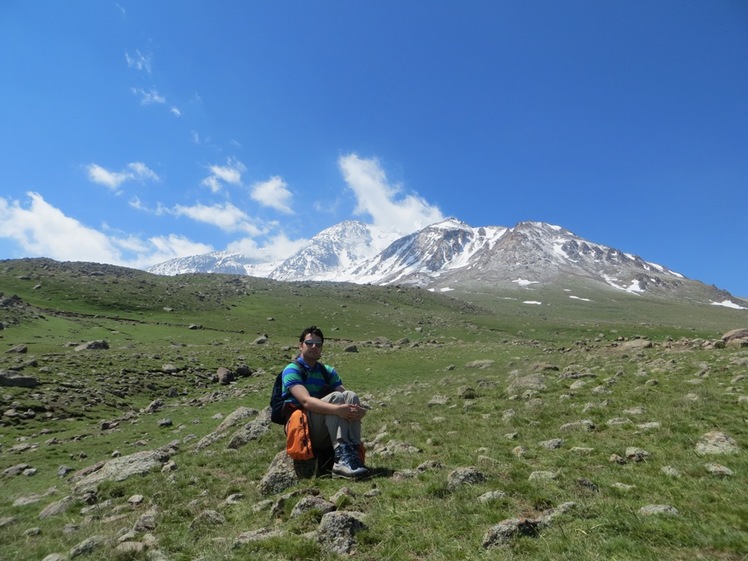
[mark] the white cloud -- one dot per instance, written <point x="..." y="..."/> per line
<point x="134" y="171"/>
<point x="380" y="200"/>
<point x="175" y="111"/>
<point x="226" y="216"/>
<point x="162" y="248"/>
<point x="231" y="173"/>
<point x="148" y="97"/>
<point x="139" y="61"/>
<point x="273" y="193"/>
<point x="42" y="230"/>
<point x="275" y="248"/>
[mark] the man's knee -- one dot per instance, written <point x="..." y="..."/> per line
<point x="342" y="397"/>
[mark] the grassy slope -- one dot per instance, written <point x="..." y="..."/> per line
<point x="688" y="390"/>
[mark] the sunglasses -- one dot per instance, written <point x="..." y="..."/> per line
<point x="313" y="343"/>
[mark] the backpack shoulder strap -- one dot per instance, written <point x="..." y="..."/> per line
<point x="325" y="373"/>
<point x="304" y="371"/>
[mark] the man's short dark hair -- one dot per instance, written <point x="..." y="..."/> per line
<point x="313" y="330"/>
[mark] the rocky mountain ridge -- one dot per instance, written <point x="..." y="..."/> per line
<point x="452" y="255"/>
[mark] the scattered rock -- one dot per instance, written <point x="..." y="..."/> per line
<point x="481" y="364"/>
<point x="659" y="510"/>
<point x="716" y="443"/>
<point x="636" y="454"/>
<point x="543" y="476"/>
<point x="636" y="345"/>
<point x="93" y="346"/>
<point x="18" y="381"/>
<point x="280" y="475"/>
<point x="312" y="503"/>
<point x="584" y="425"/>
<point x="718" y="469"/>
<point x="87" y="546"/>
<point x="256" y="535"/>
<point x="464" y="476"/>
<point x="337" y="531"/>
<point x="56" y="508"/>
<point x="224" y="376"/>
<point x="735" y="334"/>
<point x="491" y="496"/>
<point x="506" y="530"/>
<point x="207" y="518"/>
<point x="119" y="469"/>
<point x="552" y="444"/>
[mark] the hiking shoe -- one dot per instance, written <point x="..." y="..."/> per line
<point x="353" y="450"/>
<point x="347" y="463"/>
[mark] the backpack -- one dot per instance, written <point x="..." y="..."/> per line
<point x="277" y="414"/>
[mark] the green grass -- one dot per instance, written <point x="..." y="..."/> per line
<point x="688" y="389"/>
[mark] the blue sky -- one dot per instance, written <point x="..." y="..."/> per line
<point x="136" y="131"/>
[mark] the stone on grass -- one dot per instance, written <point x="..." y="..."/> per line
<point x="583" y="425"/>
<point x="715" y="443"/>
<point x="636" y="454"/>
<point x="659" y="510"/>
<point x="543" y="476"/>
<point x="337" y="531"/>
<point x="312" y="503"/>
<point x="207" y="518"/>
<point x="87" y="546"/>
<point x="506" y="530"/>
<point x="280" y="475"/>
<point x="491" y="496"/>
<point x="718" y="469"/>
<point x="464" y="476"/>
<point x="56" y="508"/>
<point x="256" y="536"/>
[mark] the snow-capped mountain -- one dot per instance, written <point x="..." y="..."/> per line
<point x="538" y="253"/>
<point x="421" y="257"/>
<point x="332" y="251"/>
<point x="223" y="262"/>
<point x="451" y="254"/>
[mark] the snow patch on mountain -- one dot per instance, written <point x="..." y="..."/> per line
<point x="729" y="304"/>
<point x="451" y="255"/>
<point x="633" y="288"/>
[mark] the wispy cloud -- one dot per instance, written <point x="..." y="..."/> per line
<point x="275" y="248"/>
<point x="147" y="97"/>
<point x="134" y="171"/>
<point x="376" y="197"/>
<point x="42" y="230"/>
<point x="231" y="173"/>
<point x="158" y="249"/>
<point x="273" y="193"/>
<point x="225" y="216"/>
<point x="139" y="61"/>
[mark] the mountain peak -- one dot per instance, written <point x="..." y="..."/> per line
<point x="451" y="254"/>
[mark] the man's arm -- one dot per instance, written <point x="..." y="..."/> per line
<point x="350" y="412"/>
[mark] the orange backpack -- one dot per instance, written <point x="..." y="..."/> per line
<point x="298" y="437"/>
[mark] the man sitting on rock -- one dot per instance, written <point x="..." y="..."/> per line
<point x="334" y="413"/>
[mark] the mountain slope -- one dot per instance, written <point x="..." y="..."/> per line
<point x="452" y="254"/>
